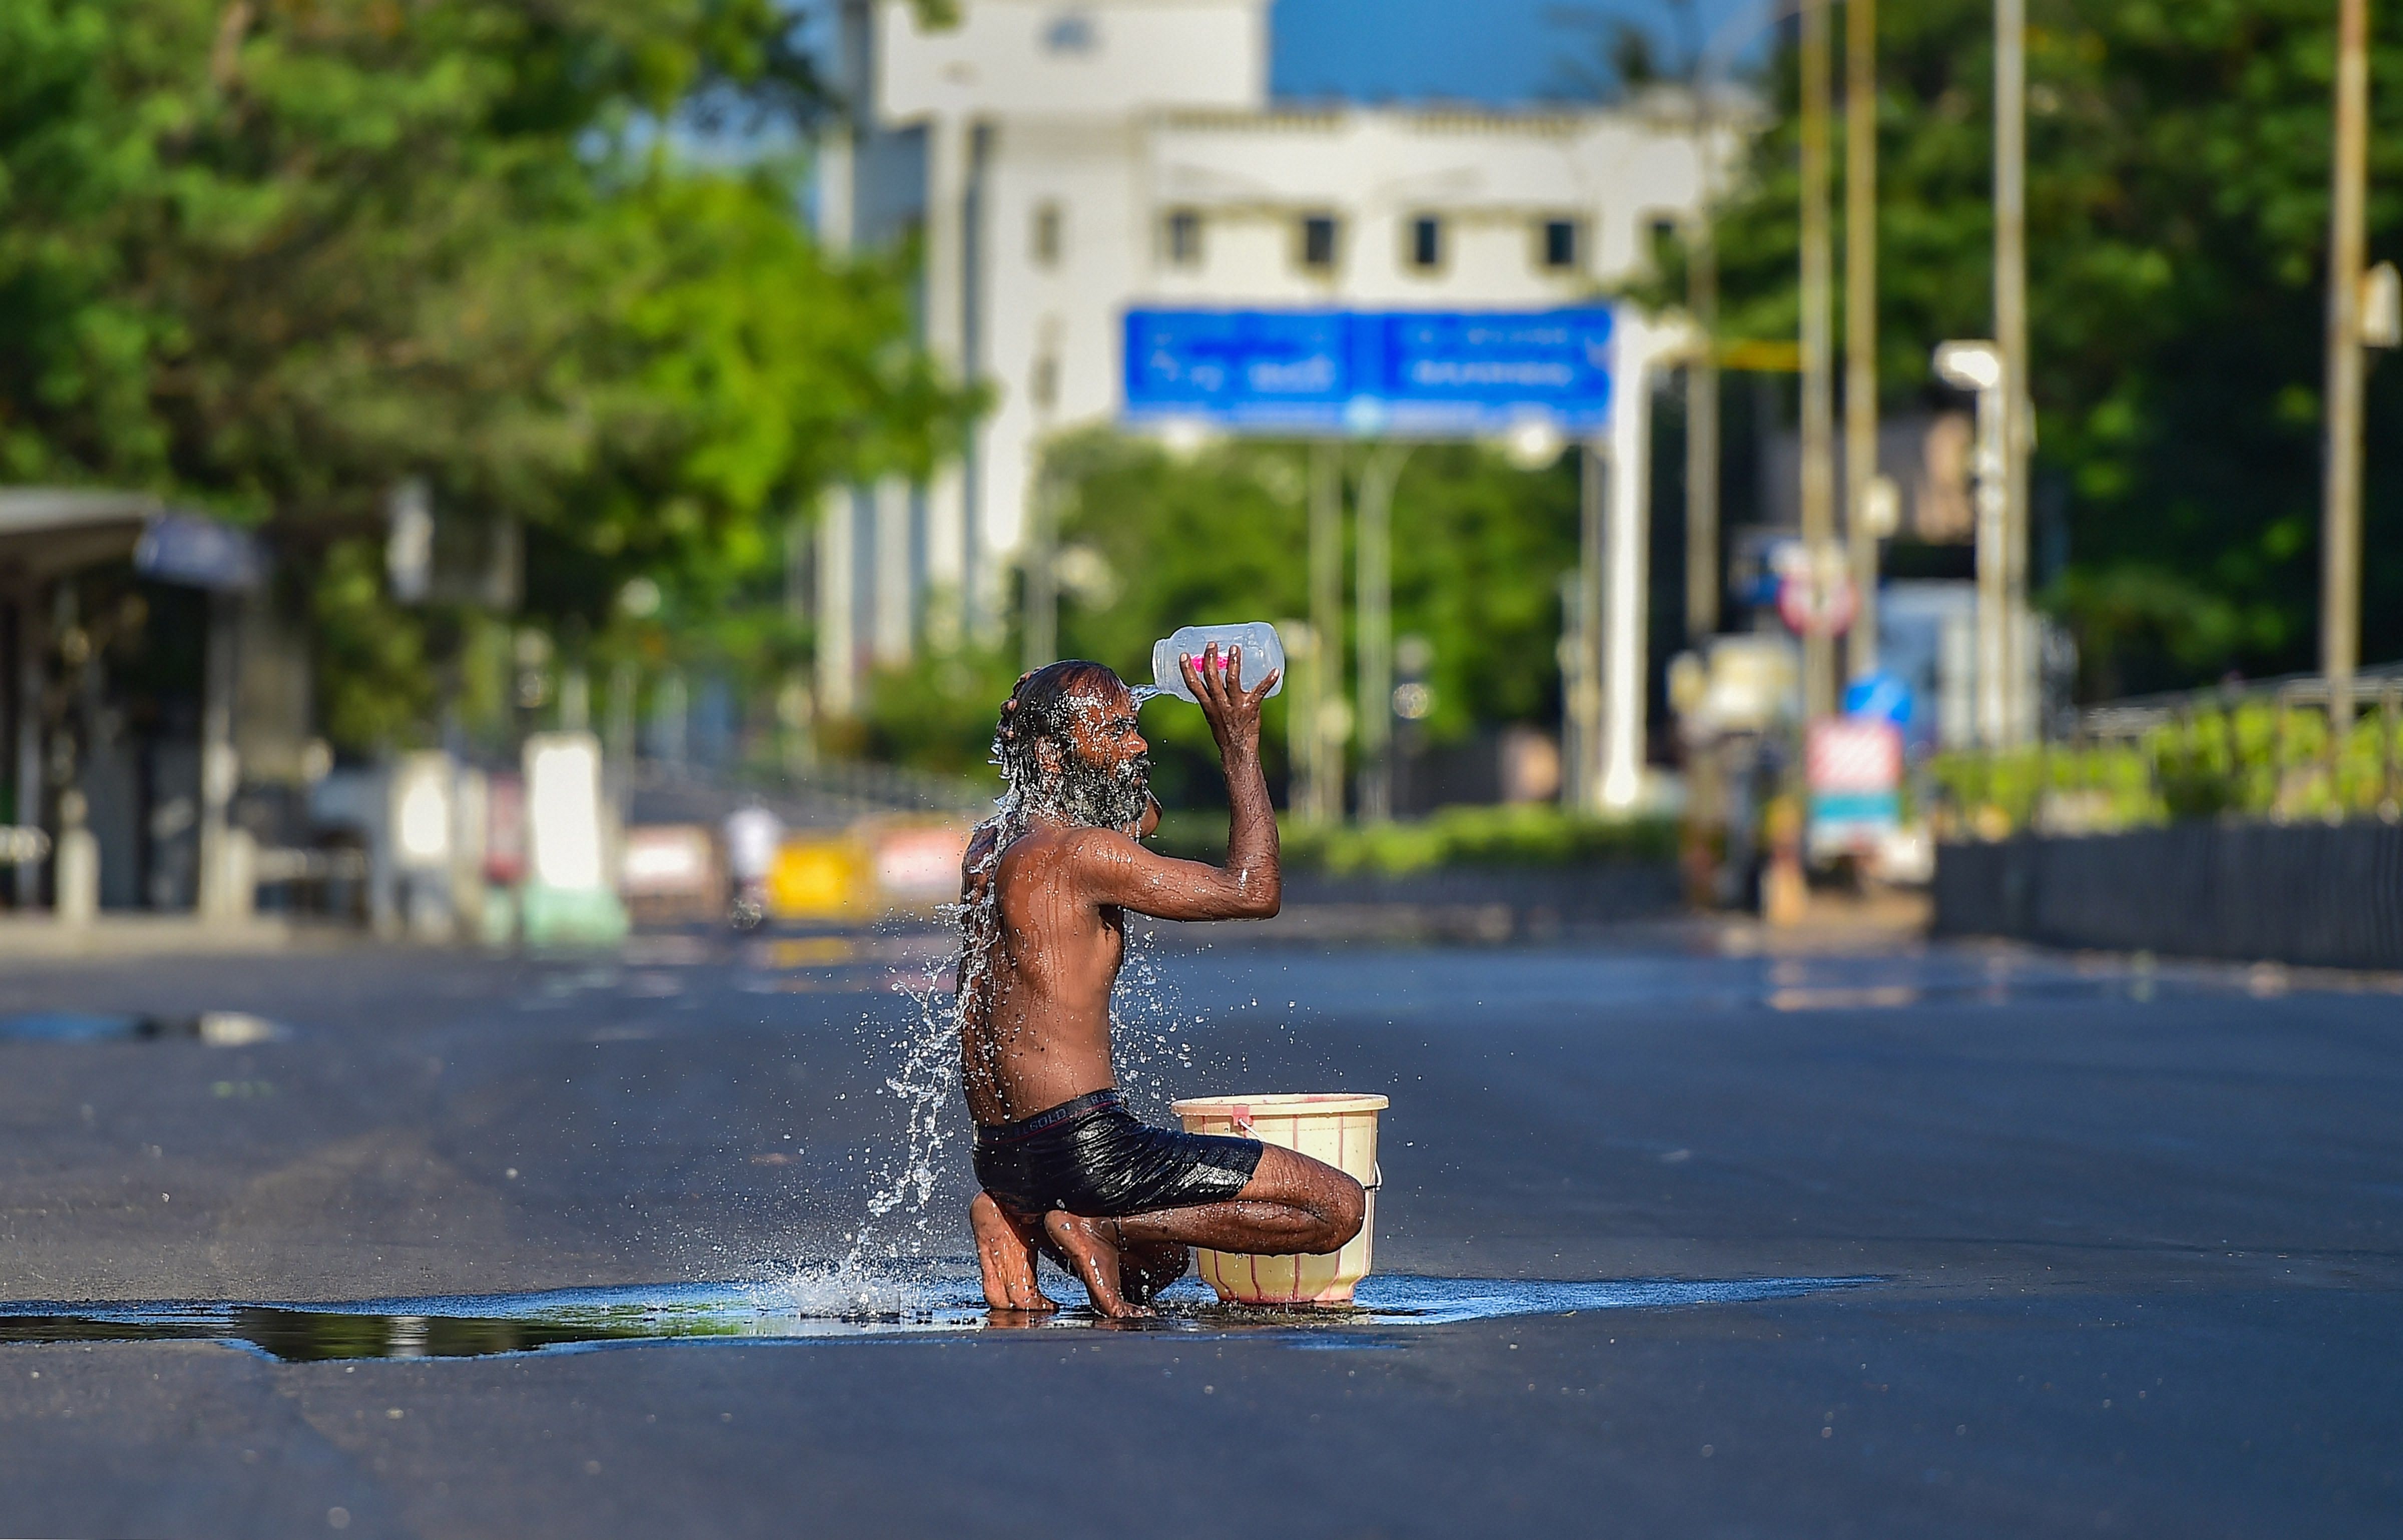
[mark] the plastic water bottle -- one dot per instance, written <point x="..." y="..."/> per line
<point x="1262" y="651"/>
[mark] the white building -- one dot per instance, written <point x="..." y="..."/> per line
<point x="1062" y="162"/>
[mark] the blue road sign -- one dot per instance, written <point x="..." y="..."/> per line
<point x="1882" y="695"/>
<point x="1422" y="374"/>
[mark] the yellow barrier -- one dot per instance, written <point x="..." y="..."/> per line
<point x="820" y="878"/>
<point x="876" y="866"/>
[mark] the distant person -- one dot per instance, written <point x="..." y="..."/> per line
<point x="1064" y="1166"/>
<point x="752" y="835"/>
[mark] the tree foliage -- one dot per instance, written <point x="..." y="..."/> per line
<point x="1151" y="543"/>
<point x="273" y="256"/>
<point x="2179" y="172"/>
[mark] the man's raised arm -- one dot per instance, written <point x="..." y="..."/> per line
<point x="1118" y="870"/>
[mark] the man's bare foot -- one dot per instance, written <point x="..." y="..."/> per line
<point x="1006" y="1255"/>
<point x="1095" y="1257"/>
<point x="1145" y="1269"/>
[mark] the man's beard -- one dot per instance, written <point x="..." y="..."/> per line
<point x="1100" y="798"/>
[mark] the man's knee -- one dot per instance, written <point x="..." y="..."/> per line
<point x="1347" y="1208"/>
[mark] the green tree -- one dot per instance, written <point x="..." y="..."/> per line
<point x="1151" y="542"/>
<point x="273" y="256"/>
<point x="2178" y="196"/>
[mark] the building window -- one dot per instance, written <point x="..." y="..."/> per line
<point x="1427" y="243"/>
<point x="1070" y="31"/>
<point x="1184" y="238"/>
<point x="1044" y="388"/>
<point x="1047" y="236"/>
<point x="1318" y="237"/>
<point x="1560" y="245"/>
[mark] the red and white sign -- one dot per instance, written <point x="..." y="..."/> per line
<point x="668" y="861"/>
<point x="1854" y="755"/>
<point x="1821" y="603"/>
<point x="921" y="865"/>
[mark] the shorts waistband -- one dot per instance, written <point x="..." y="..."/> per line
<point x="1066" y="1112"/>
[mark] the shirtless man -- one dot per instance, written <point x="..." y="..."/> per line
<point x="1064" y="1167"/>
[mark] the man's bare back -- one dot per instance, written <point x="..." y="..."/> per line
<point x="1047" y="885"/>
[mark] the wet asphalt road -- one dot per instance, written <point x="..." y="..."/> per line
<point x="2137" y="1237"/>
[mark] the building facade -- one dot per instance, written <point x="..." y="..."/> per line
<point x="1060" y="164"/>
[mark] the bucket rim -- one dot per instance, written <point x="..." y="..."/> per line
<point x="1285" y="1103"/>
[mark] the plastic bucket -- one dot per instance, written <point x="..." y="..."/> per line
<point x="1337" y="1129"/>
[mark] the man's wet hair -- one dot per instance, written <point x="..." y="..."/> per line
<point x="1041" y="710"/>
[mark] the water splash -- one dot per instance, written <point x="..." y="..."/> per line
<point x="1389" y="1308"/>
<point x="926" y="1081"/>
<point x="856" y="1291"/>
<point x="924" y="1085"/>
<point x="1151" y="1034"/>
<point x="1146" y="693"/>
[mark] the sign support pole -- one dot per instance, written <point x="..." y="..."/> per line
<point x="1627" y="560"/>
<point x="1587" y="683"/>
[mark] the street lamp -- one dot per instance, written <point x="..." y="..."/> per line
<point x="1978" y="366"/>
<point x="1534" y="444"/>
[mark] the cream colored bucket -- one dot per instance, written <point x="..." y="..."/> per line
<point x="1339" y="1130"/>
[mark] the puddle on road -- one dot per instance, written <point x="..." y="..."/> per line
<point x="813" y="1309"/>
<point x="219" y="1029"/>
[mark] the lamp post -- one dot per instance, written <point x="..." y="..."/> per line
<point x="1978" y="366"/>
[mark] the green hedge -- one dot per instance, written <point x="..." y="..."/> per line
<point x="2239" y="762"/>
<point x="1521" y="835"/>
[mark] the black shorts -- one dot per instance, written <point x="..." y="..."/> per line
<point x="1090" y="1156"/>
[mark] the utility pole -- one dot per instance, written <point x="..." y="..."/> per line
<point x="1326" y="626"/>
<point x="1703" y="392"/>
<point x="1818" y="351"/>
<point x="220" y="767"/>
<point x="2011" y="339"/>
<point x="1861" y="327"/>
<point x="2340" y="515"/>
<point x="31" y="644"/>
<point x="1374" y="595"/>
